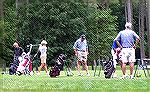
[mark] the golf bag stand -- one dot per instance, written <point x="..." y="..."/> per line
<point x="142" y="63"/>
<point x="99" y="63"/>
<point x="68" y="65"/>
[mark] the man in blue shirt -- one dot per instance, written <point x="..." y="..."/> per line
<point x="129" y="39"/>
<point x="81" y="51"/>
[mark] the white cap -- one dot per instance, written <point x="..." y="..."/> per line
<point x="128" y="24"/>
<point x="43" y="42"/>
<point x="15" y="44"/>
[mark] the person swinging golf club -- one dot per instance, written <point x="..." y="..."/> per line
<point x="43" y="56"/>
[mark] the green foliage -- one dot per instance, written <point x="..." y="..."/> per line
<point x="60" y="23"/>
<point x="102" y="33"/>
<point x="9" y="31"/>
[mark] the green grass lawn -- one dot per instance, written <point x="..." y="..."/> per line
<point x="63" y="83"/>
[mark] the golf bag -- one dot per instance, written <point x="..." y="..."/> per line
<point x="14" y="65"/>
<point x="25" y="65"/>
<point x="13" y="68"/>
<point x="58" y="66"/>
<point x="108" y="68"/>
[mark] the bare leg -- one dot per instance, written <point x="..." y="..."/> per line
<point x="45" y="66"/>
<point x="78" y="66"/>
<point x="123" y="67"/>
<point x="131" y="68"/>
<point x="41" y="67"/>
<point x="85" y="67"/>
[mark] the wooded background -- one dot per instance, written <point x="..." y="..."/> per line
<point x="60" y="23"/>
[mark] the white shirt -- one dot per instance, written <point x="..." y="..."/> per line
<point x="43" y="50"/>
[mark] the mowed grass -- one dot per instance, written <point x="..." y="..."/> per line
<point x="63" y="83"/>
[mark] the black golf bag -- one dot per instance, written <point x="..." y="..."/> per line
<point x="14" y="66"/>
<point x="108" y="68"/>
<point x="12" y="69"/>
<point x="58" y="66"/>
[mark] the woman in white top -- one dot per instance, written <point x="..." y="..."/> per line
<point x="43" y="56"/>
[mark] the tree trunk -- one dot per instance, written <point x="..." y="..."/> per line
<point x="19" y="3"/>
<point x="128" y="9"/>
<point x="141" y="27"/>
<point x="148" y="17"/>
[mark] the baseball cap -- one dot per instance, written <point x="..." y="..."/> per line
<point x="128" y="24"/>
<point x="83" y="36"/>
<point x="43" y="42"/>
<point x="15" y="44"/>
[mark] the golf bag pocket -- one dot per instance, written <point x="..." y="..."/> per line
<point x="12" y="69"/>
<point x="108" y="69"/>
<point x="55" y="71"/>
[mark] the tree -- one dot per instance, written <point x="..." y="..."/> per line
<point x="103" y="4"/>
<point x="141" y="27"/>
<point x="60" y="22"/>
<point x="128" y="11"/>
<point x="1" y="35"/>
<point x="148" y="27"/>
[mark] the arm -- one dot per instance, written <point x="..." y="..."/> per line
<point x="75" y="52"/>
<point x="136" y="43"/>
<point x="137" y="40"/>
<point x="87" y="49"/>
<point x="119" y="44"/>
<point x="75" y="48"/>
<point x="117" y="39"/>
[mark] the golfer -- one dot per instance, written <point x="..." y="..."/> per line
<point x="81" y="51"/>
<point x="17" y="53"/>
<point x="129" y="39"/>
<point x="43" y="56"/>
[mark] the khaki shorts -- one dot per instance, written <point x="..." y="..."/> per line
<point x="43" y="59"/>
<point x="128" y="55"/>
<point x="82" y="56"/>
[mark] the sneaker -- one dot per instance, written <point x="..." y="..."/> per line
<point x="131" y="77"/>
<point x="69" y="74"/>
<point x="87" y="74"/>
<point x="38" y="73"/>
<point x="31" y="73"/>
<point x="80" y="74"/>
<point x="114" y="76"/>
<point x="124" y="77"/>
<point x="47" y="74"/>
